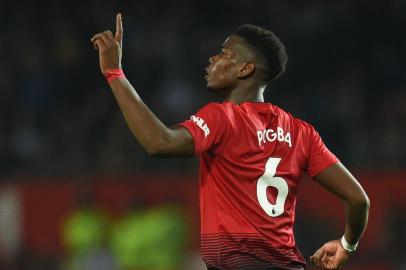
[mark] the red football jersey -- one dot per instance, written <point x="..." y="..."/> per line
<point x="251" y="158"/>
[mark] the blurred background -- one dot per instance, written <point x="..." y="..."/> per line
<point x="78" y="192"/>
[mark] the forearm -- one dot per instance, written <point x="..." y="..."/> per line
<point x="149" y="131"/>
<point x="338" y="180"/>
<point x="156" y="138"/>
<point x="356" y="220"/>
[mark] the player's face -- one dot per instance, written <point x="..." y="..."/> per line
<point x="223" y="68"/>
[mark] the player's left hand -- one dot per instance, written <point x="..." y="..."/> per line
<point x="330" y="256"/>
<point x="109" y="46"/>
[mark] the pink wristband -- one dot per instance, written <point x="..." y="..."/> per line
<point x="112" y="74"/>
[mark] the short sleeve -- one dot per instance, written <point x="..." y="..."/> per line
<point x="207" y="126"/>
<point x="319" y="156"/>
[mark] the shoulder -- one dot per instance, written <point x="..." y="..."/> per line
<point x="285" y="114"/>
<point x="218" y="106"/>
<point x="216" y="109"/>
<point x="300" y="124"/>
<point x="213" y="114"/>
<point x="306" y="126"/>
<point x="215" y="106"/>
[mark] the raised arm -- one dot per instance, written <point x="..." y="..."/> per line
<point x="338" y="180"/>
<point x="155" y="137"/>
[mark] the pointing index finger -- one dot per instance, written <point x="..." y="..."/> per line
<point x="119" y="29"/>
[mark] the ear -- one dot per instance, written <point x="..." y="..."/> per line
<point x="246" y="70"/>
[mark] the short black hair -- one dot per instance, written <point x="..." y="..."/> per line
<point x="268" y="45"/>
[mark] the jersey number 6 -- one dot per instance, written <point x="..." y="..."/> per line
<point x="268" y="179"/>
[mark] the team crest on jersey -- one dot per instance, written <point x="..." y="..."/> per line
<point x="201" y="124"/>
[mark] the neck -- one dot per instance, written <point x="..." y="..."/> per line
<point x="247" y="92"/>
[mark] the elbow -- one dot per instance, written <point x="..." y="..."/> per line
<point x="153" y="151"/>
<point x="155" y="145"/>
<point x="156" y="154"/>
<point x="157" y="148"/>
<point x="361" y="201"/>
<point x="367" y="204"/>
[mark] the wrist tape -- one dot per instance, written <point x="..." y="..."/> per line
<point x="347" y="246"/>
<point x="112" y="74"/>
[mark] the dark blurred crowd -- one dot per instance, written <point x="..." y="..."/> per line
<point x="346" y="75"/>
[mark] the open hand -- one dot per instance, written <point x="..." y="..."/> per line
<point x="330" y="256"/>
<point x="109" y="46"/>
